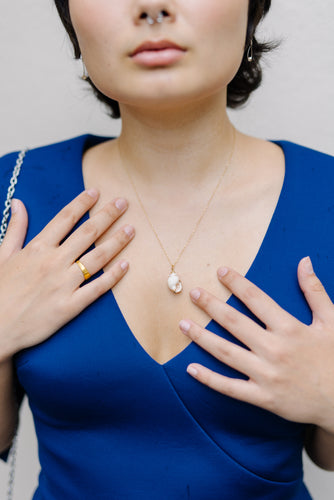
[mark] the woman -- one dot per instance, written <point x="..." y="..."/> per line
<point x="162" y="389"/>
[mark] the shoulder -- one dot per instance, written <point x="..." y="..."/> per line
<point x="303" y="160"/>
<point x="50" y="176"/>
<point x="309" y="207"/>
<point x="43" y="161"/>
<point x="36" y="167"/>
<point x="55" y="151"/>
<point x="49" y="152"/>
<point x="37" y="155"/>
<point x="309" y="177"/>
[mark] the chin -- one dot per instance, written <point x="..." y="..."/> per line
<point x="168" y="96"/>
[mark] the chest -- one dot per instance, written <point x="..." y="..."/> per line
<point x="229" y="234"/>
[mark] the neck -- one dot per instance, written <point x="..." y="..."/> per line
<point x="184" y="147"/>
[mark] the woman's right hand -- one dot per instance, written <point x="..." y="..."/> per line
<point x="40" y="284"/>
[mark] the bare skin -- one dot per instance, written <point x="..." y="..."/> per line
<point x="36" y="304"/>
<point x="175" y="140"/>
<point x="235" y="223"/>
<point x="278" y="361"/>
<point x="256" y="176"/>
<point x="241" y="211"/>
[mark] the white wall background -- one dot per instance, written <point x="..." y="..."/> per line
<point x="42" y="100"/>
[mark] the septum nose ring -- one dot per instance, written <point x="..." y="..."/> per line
<point x="159" y="19"/>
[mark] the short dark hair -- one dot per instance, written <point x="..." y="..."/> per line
<point x="247" y="79"/>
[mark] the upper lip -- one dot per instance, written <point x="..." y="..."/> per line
<point x="156" y="45"/>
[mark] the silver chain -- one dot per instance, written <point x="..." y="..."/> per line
<point x="12" y="467"/>
<point x="10" y="193"/>
<point x="3" y="229"/>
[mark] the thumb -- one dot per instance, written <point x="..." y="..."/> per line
<point x="314" y="291"/>
<point x="17" y="229"/>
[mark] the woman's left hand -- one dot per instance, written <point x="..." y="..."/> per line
<point x="289" y="365"/>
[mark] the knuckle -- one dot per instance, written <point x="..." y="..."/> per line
<point x="37" y="246"/>
<point x="230" y="390"/>
<point x="89" y="229"/>
<point x="115" y="274"/>
<point x="118" y="241"/>
<point x="250" y="293"/>
<point x="62" y="307"/>
<point x="272" y="376"/>
<point x="68" y="215"/>
<point x="276" y="351"/>
<point x="223" y="351"/>
<point x="99" y="287"/>
<point x="206" y="377"/>
<point x="268" y="401"/>
<point x="278" y="355"/>
<point x="110" y="211"/>
<point x="205" y="299"/>
<point x="288" y="327"/>
<point x="316" y="285"/>
<point x="100" y="255"/>
<point x="230" y="317"/>
<point x="196" y="333"/>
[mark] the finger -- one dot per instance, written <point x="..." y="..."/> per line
<point x="315" y="293"/>
<point x="241" y="326"/>
<point x="243" y="390"/>
<point x="87" y="294"/>
<point x="96" y="259"/>
<point x="78" y="242"/>
<point x="59" y="227"/>
<point x="17" y="229"/>
<point x="261" y="305"/>
<point x="231" y="354"/>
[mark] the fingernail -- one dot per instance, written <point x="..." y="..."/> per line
<point x="121" y="204"/>
<point x="308" y="265"/>
<point x="185" y="326"/>
<point x="14" y="206"/>
<point x="222" y="271"/>
<point x="129" y="230"/>
<point x="93" y="193"/>
<point x="195" y="294"/>
<point x="124" y="265"/>
<point x="192" y="371"/>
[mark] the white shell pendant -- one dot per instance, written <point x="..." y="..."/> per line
<point x="174" y="283"/>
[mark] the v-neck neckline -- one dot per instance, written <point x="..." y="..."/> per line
<point x="270" y="228"/>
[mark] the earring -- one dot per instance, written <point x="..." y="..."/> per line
<point x="85" y="75"/>
<point x="250" y="52"/>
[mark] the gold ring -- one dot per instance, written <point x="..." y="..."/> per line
<point x="84" y="271"/>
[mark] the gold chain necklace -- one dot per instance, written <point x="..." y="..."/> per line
<point x="174" y="283"/>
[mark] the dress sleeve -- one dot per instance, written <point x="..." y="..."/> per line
<point x="7" y="164"/>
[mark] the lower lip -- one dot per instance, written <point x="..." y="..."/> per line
<point x="154" y="58"/>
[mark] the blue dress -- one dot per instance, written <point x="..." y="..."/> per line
<point x="113" y="424"/>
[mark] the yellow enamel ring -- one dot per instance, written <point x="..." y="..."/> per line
<point x="84" y="271"/>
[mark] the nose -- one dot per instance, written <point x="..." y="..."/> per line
<point x="151" y="12"/>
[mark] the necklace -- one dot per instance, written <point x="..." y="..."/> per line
<point x="174" y="283"/>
